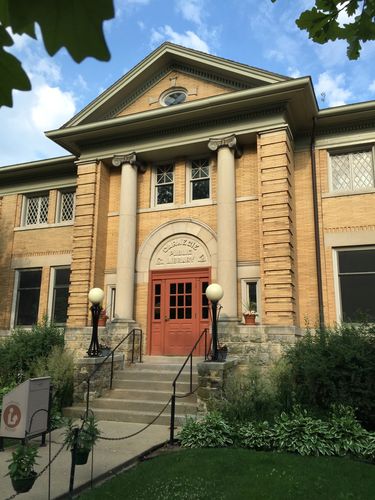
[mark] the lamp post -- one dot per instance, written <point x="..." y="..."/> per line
<point x="96" y="296"/>
<point x="214" y="293"/>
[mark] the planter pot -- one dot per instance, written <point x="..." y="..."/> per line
<point x="102" y="319"/>
<point x="249" y="319"/>
<point x="222" y="355"/>
<point x="22" y="485"/>
<point x="82" y="456"/>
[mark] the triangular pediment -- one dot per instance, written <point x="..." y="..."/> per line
<point x="170" y="66"/>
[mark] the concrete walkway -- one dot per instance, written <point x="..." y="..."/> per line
<point x="108" y="455"/>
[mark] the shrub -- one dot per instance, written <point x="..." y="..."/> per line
<point x="59" y="365"/>
<point x="332" y="366"/>
<point x="19" y="351"/>
<point x="211" y="432"/>
<point x="251" y="396"/>
<point x="255" y="435"/>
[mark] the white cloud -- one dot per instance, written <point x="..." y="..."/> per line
<point x="372" y="86"/>
<point x="294" y="72"/>
<point x="51" y="107"/>
<point x="47" y="106"/>
<point x="187" y="39"/>
<point x="332" y="89"/>
<point x="191" y="10"/>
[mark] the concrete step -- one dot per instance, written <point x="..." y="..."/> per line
<point x="142" y="405"/>
<point x="173" y="367"/>
<point x="156" y="385"/>
<point x="150" y="375"/>
<point x="169" y="360"/>
<point x="126" y="415"/>
<point x="149" y="395"/>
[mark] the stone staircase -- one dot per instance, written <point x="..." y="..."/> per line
<point x="140" y="391"/>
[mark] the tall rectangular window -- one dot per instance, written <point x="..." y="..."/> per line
<point x="200" y="179"/>
<point x="66" y="206"/>
<point x="28" y="293"/>
<point x="356" y="270"/>
<point x="164" y="184"/>
<point x="352" y="171"/>
<point x="36" y="209"/>
<point x="60" y="295"/>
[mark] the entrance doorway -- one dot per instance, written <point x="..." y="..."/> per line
<point x="179" y="311"/>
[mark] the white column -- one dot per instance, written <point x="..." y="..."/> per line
<point x="126" y="237"/>
<point x="226" y="222"/>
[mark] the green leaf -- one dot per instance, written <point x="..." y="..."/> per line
<point x="16" y="78"/>
<point x="74" y="24"/>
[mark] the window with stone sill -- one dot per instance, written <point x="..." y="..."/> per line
<point x="65" y="205"/>
<point x="164" y="184"/>
<point x="35" y="209"/>
<point x="356" y="277"/>
<point x="200" y="179"/>
<point x="352" y="171"/>
<point x="27" y="296"/>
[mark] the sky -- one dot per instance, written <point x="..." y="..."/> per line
<point x="254" y="32"/>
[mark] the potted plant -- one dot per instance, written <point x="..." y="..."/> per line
<point x="21" y="468"/>
<point x="81" y="438"/>
<point x="250" y="312"/>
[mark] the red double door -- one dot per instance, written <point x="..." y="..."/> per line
<point x="179" y="311"/>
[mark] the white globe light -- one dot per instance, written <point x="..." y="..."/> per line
<point x="96" y="295"/>
<point x="214" y="292"/>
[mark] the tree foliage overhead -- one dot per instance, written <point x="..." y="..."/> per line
<point x="321" y="22"/>
<point x="74" y="24"/>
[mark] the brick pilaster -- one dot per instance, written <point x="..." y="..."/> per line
<point x="277" y="250"/>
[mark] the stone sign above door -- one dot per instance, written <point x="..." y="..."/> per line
<point x="180" y="251"/>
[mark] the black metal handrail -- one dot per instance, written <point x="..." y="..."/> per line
<point x="174" y="383"/>
<point x="112" y="354"/>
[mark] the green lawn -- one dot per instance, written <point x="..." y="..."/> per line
<point x="236" y="474"/>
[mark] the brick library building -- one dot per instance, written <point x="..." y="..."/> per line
<point x="194" y="169"/>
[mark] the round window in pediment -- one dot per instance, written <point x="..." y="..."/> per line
<point x="173" y="97"/>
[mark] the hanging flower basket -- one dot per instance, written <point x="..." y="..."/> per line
<point x="24" y="484"/>
<point x="81" y="456"/>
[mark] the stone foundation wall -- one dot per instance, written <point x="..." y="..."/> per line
<point x="211" y="380"/>
<point x="100" y="382"/>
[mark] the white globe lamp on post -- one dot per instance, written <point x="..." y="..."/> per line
<point x="96" y="296"/>
<point x="214" y="293"/>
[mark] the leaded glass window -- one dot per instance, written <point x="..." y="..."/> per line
<point x="352" y="171"/>
<point x="164" y="184"/>
<point x="66" y="206"/>
<point x="200" y="179"/>
<point x="36" y="211"/>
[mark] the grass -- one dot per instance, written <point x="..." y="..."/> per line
<point x="241" y="474"/>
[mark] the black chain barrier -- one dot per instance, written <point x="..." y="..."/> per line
<point x="140" y="430"/>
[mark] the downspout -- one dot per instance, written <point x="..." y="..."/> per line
<point x="316" y="227"/>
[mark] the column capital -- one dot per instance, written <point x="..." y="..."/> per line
<point x="131" y="158"/>
<point x="228" y="142"/>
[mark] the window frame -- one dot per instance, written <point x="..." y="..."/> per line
<point x="154" y="185"/>
<point x="347" y="151"/>
<point x="52" y="287"/>
<point x="244" y="284"/>
<point x="336" y="275"/>
<point x="16" y="289"/>
<point x="25" y="205"/>
<point x="59" y="205"/>
<point x="190" y="180"/>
